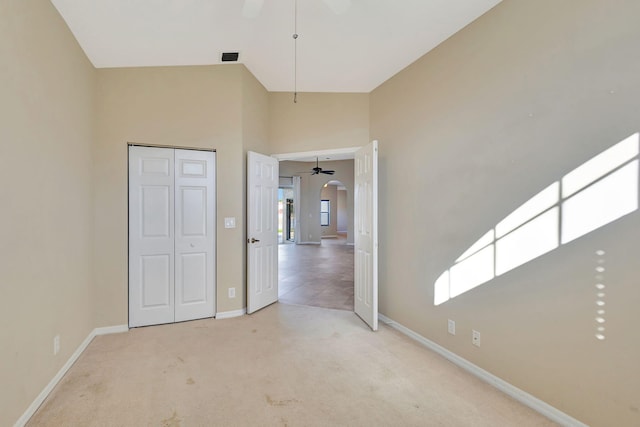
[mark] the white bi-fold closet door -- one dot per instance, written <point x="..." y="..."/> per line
<point x="171" y="235"/>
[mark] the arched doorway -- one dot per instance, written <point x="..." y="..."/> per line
<point x="334" y="212"/>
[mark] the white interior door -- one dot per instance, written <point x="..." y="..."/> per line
<point x="151" y="236"/>
<point x="194" y="234"/>
<point x="262" y="231"/>
<point x="366" y="234"/>
<point x="171" y="235"/>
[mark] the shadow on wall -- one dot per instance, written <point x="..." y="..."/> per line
<point x="591" y="196"/>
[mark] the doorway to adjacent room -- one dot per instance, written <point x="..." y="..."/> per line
<point x="321" y="274"/>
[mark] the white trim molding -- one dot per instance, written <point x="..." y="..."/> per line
<point x="26" y="416"/>
<point x="309" y="243"/>
<point x="521" y="396"/>
<point x="310" y="156"/>
<point x="111" y="330"/>
<point x="232" y="313"/>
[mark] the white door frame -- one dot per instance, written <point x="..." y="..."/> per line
<point x="348" y="153"/>
<point x="296" y="208"/>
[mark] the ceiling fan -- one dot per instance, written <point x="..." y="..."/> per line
<point x="252" y="8"/>
<point x="318" y="170"/>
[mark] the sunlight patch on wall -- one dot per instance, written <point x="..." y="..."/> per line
<point x="534" y="206"/>
<point x="535" y="238"/>
<point x="594" y="194"/>
<point x="481" y="243"/>
<point x="600" y="165"/>
<point x="471" y="272"/>
<point x="608" y="199"/>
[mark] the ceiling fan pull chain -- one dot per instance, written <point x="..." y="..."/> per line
<point x="295" y="51"/>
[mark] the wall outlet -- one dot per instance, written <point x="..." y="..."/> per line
<point x="475" y="338"/>
<point x="56" y="345"/>
<point x="232" y="292"/>
<point x="451" y="327"/>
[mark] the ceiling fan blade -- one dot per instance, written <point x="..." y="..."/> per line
<point x="252" y="8"/>
<point x="328" y="172"/>
<point x="338" y="6"/>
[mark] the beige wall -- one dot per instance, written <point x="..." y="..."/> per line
<point x="318" y="121"/>
<point x="255" y="130"/>
<point x="342" y="221"/>
<point x="199" y="107"/>
<point x="46" y="119"/>
<point x="255" y="114"/>
<point x="310" y="190"/>
<point x="471" y="131"/>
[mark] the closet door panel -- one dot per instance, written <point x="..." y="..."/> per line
<point x="151" y="236"/>
<point x="171" y="235"/>
<point x="195" y="234"/>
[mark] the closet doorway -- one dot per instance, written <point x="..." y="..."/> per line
<point x="171" y="235"/>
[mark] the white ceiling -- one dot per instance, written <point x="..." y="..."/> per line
<point x="353" y="51"/>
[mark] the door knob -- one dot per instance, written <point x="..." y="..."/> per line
<point x="253" y="240"/>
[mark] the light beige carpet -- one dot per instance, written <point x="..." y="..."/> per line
<point x="286" y="365"/>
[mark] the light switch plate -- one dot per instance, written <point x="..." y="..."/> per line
<point x="230" y="222"/>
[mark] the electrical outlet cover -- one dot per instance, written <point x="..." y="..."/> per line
<point x="475" y="338"/>
<point x="451" y="327"/>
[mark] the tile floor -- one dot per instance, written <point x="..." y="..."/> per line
<point x="317" y="275"/>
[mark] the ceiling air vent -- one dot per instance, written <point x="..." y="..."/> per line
<point x="230" y="56"/>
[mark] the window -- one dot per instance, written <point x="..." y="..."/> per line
<point x="325" y="212"/>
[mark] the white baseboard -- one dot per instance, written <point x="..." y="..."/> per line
<point x="56" y="379"/>
<point x="521" y="396"/>
<point x="309" y="243"/>
<point x="230" y="314"/>
<point x="111" y="330"/>
<point x="330" y="236"/>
